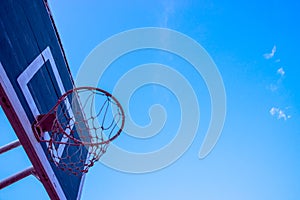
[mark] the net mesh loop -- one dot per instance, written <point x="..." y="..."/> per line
<point x="78" y="129"/>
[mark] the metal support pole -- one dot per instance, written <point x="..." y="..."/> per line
<point x="9" y="146"/>
<point x="16" y="177"/>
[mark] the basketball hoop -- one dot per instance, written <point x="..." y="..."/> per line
<point x="79" y="128"/>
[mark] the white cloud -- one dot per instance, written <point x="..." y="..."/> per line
<point x="281" y="71"/>
<point x="270" y="55"/>
<point x="275" y="86"/>
<point x="272" y="87"/>
<point x="279" y="113"/>
<point x="273" y="111"/>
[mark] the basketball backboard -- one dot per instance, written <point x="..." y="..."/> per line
<point x="33" y="75"/>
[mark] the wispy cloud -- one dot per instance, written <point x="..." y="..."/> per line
<point x="169" y="10"/>
<point x="281" y="71"/>
<point x="272" y="87"/>
<point x="276" y="112"/>
<point x="270" y="55"/>
<point x="276" y="85"/>
<point x="279" y="113"/>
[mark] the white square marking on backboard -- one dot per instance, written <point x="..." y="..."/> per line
<point x="25" y="78"/>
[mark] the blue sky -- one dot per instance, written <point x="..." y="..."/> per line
<point x="253" y="44"/>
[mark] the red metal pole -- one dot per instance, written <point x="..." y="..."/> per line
<point x="16" y="177"/>
<point x="9" y="146"/>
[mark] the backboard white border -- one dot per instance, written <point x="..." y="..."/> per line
<point x="13" y="98"/>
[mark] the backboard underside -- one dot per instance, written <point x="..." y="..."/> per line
<point x="33" y="75"/>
